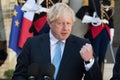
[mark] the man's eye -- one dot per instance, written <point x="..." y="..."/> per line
<point x="59" y="23"/>
<point x="68" y="23"/>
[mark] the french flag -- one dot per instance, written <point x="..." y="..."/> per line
<point x="26" y="23"/>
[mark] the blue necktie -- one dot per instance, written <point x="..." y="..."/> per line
<point x="57" y="58"/>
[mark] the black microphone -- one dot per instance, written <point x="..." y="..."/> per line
<point x="48" y="71"/>
<point x="33" y="71"/>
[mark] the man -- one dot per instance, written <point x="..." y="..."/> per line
<point x="98" y="15"/>
<point x="116" y="68"/>
<point x="76" y="54"/>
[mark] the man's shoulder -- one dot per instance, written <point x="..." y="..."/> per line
<point x="74" y="37"/>
<point x="38" y="37"/>
<point x="77" y="41"/>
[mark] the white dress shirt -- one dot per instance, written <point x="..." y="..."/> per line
<point x="53" y="42"/>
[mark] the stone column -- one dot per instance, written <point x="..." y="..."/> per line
<point x="79" y="29"/>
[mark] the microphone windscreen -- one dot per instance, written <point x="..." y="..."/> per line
<point x="48" y="70"/>
<point x="33" y="70"/>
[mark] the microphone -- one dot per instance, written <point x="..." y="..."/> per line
<point x="33" y="71"/>
<point x="48" y="71"/>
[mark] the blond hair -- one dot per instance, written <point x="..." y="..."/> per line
<point x="59" y="9"/>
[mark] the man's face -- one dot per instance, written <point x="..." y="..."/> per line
<point x="61" y="28"/>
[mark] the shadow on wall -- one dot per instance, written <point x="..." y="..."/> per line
<point x="116" y="42"/>
<point x="3" y="52"/>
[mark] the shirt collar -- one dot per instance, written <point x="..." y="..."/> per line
<point x="54" y="40"/>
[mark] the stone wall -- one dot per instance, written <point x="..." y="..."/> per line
<point x="117" y="23"/>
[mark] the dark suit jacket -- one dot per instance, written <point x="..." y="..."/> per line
<point x="116" y="68"/>
<point x="37" y="50"/>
